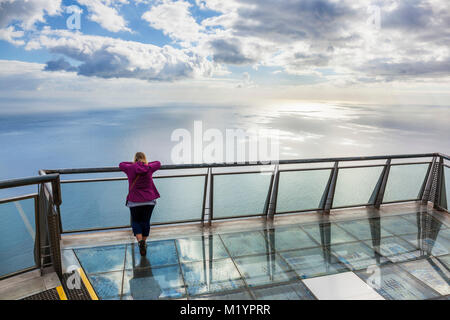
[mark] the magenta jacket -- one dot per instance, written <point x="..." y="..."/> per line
<point x="144" y="190"/>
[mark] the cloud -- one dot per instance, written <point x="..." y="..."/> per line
<point x="296" y="37"/>
<point x="11" y="35"/>
<point x="408" y="15"/>
<point x="389" y="70"/>
<point x="59" y="65"/>
<point x="229" y="52"/>
<point x="28" y="13"/>
<point x="246" y="81"/>
<point x="174" y="19"/>
<point x="106" y="14"/>
<point x="114" y="58"/>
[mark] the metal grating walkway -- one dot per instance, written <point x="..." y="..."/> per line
<point x="52" y="294"/>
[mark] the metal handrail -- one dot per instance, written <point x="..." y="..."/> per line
<point x="21" y="182"/>
<point x="250" y="163"/>
<point x="18" y="198"/>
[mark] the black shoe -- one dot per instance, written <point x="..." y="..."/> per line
<point x="142" y="247"/>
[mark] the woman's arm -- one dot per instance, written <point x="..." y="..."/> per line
<point x="154" y="165"/>
<point x="124" y="166"/>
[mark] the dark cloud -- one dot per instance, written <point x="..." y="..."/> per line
<point x="294" y="20"/>
<point x="59" y="65"/>
<point x="317" y="60"/>
<point x="410" y="14"/>
<point x="229" y="51"/>
<point x="115" y="58"/>
<point x="391" y="70"/>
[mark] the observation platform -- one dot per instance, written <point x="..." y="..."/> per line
<point x="372" y="231"/>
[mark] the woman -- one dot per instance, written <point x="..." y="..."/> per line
<point x="142" y="196"/>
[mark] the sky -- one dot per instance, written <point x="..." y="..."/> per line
<point x="92" y="54"/>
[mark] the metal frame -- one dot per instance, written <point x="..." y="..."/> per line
<point x="49" y="196"/>
<point x="48" y="199"/>
<point x="37" y="261"/>
<point x="46" y="214"/>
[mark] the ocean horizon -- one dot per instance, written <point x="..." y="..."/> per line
<point x="99" y="138"/>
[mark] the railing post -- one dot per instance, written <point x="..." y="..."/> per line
<point x="327" y="202"/>
<point x="269" y="195"/>
<point x="429" y="181"/>
<point x="205" y="191"/>
<point x="272" y="204"/>
<point x="439" y="197"/>
<point x="211" y="198"/>
<point x="37" y="239"/>
<point x="49" y="232"/>
<point x="381" y="185"/>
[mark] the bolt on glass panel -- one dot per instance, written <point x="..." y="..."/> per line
<point x="355" y="186"/>
<point x="301" y="190"/>
<point x="18" y="236"/>
<point x="405" y="182"/>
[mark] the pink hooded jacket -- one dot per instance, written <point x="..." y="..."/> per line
<point x="144" y="189"/>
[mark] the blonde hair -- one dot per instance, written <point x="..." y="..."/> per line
<point x="140" y="156"/>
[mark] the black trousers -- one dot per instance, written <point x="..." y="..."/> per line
<point x="140" y="219"/>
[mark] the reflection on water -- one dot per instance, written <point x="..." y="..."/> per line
<point x="271" y="262"/>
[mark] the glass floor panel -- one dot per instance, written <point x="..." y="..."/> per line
<point x="328" y="233"/>
<point x="395" y="249"/>
<point x="393" y="283"/>
<point x="107" y="285"/>
<point x="424" y="220"/>
<point x="211" y="276"/>
<point x="240" y="295"/>
<point x="357" y="255"/>
<point x="445" y="260"/>
<point x="314" y="262"/>
<point x="445" y="233"/>
<point x="289" y="238"/>
<point x="159" y="253"/>
<point x="201" y="248"/>
<point x="365" y="229"/>
<point x="398" y="225"/>
<point x="270" y="263"/>
<point x="431" y="272"/>
<point x="245" y="243"/>
<point x="154" y="283"/>
<point x="264" y="269"/>
<point x="102" y="259"/>
<point x="428" y="246"/>
<point x="291" y="291"/>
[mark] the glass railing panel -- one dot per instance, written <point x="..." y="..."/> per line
<point x="18" y="235"/>
<point x="301" y="190"/>
<point x="405" y="182"/>
<point x="242" y="194"/>
<point x="89" y="205"/>
<point x="181" y="199"/>
<point x="354" y="186"/>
